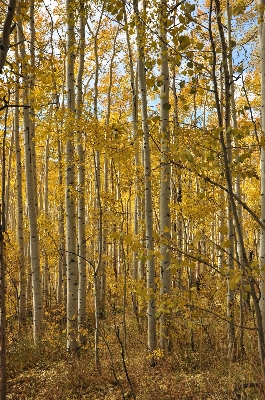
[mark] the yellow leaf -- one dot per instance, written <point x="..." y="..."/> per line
<point x="199" y="46"/>
<point x="192" y="265"/>
<point x="225" y="244"/>
<point x="115" y="235"/>
<point x="238" y="10"/>
<point x="135" y="245"/>
<point x="149" y="82"/>
<point x="128" y="238"/>
<point x="197" y="237"/>
<point x="223" y="229"/>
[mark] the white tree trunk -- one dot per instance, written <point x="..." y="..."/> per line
<point x="70" y="206"/>
<point x="31" y="101"/>
<point x="81" y="187"/>
<point x="45" y="272"/>
<point x="261" y="3"/>
<point x="31" y="204"/>
<point x="151" y="304"/>
<point x="20" y="210"/>
<point x="134" y="92"/>
<point x="165" y="219"/>
<point x="61" y="274"/>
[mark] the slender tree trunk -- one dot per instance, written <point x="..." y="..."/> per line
<point x="70" y="206"/>
<point x="8" y="194"/>
<point x="19" y="210"/>
<point x="20" y="220"/>
<point x="2" y="317"/>
<point x="45" y="272"/>
<point x="230" y="190"/>
<point x="238" y="179"/>
<point x="2" y="271"/>
<point x="261" y="4"/>
<point x="165" y="219"/>
<point x="228" y="150"/>
<point x="81" y="187"/>
<point x="99" y="311"/>
<point x="151" y="304"/>
<point x="31" y="203"/>
<point x="134" y="93"/>
<point x="32" y="79"/>
<point x="61" y="275"/>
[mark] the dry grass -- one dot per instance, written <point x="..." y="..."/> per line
<point x="49" y="372"/>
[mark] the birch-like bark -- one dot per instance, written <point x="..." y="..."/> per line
<point x="177" y="182"/>
<point x="238" y="179"/>
<point x="134" y="93"/>
<point x="81" y="186"/>
<point x="61" y="274"/>
<point x="105" y="188"/>
<point x="99" y="311"/>
<point x="3" y="378"/>
<point x="70" y="206"/>
<point x="261" y="25"/>
<point x="45" y="272"/>
<point x="31" y="204"/>
<point x="19" y="209"/>
<point x="7" y="191"/>
<point x="230" y="191"/>
<point x="32" y="78"/>
<point x="165" y="219"/>
<point x="228" y="150"/>
<point x="151" y="304"/>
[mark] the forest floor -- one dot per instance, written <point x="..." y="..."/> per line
<point x="197" y="370"/>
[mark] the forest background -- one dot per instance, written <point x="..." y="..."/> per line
<point x="132" y="246"/>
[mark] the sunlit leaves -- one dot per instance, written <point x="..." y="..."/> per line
<point x="226" y="244"/>
<point x="238" y="10"/>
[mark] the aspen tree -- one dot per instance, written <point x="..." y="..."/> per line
<point x="19" y="208"/>
<point x="3" y="379"/>
<point x="227" y="126"/>
<point x="32" y="79"/>
<point x="261" y="26"/>
<point x="99" y="312"/>
<point x="70" y="206"/>
<point x="31" y="203"/>
<point x="228" y="178"/>
<point x="151" y="304"/>
<point x="8" y="178"/>
<point x="106" y="185"/>
<point x="45" y="272"/>
<point x="61" y="279"/>
<point x="234" y="125"/>
<point x="165" y="219"/>
<point x="134" y="106"/>
<point x="81" y="185"/>
<point x="176" y="192"/>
